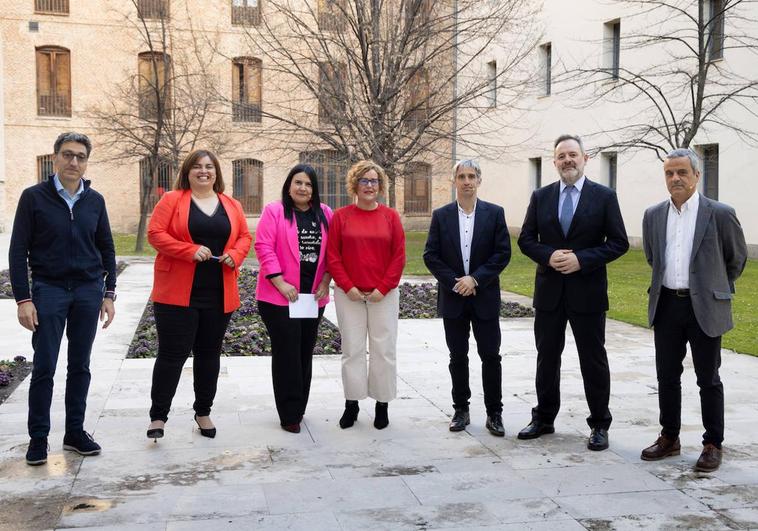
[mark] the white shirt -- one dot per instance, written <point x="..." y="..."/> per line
<point x="574" y="195"/>
<point x="680" y="231"/>
<point x="466" y="228"/>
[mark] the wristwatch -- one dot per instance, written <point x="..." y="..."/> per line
<point x="110" y="295"/>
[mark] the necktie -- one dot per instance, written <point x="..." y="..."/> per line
<point x="567" y="210"/>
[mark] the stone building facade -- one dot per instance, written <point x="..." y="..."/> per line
<point x="581" y="35"/>
<point x="62" y="59"/>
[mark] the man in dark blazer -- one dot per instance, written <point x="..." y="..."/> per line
<point x="697" y="250"/>
<point x="467" y="248"/>
<point x="572" y="229"/>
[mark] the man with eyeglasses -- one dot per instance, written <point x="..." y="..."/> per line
<point x="62" y="234"/>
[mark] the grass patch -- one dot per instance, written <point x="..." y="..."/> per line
<point x="628" y="280"/>
<point x="125" y="244"/>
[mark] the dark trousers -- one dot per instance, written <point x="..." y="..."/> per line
<point x="76" y="308"/>
<point x="550" y="338"/>
<point x="675" y="325"/>
<point x="487" y="335"/>
<point x="292" y="343"/>
<point x="182" y="329"/>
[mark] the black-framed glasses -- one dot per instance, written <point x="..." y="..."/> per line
<point x="68" y="156"/>
<point x="368" y="182"/>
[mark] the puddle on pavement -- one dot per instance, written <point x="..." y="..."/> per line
<point x="385" y="471"/>
<point x="193" y="473"/>
<point x="87" y="505"/>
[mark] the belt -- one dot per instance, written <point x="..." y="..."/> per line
<point x="681" y="292"/>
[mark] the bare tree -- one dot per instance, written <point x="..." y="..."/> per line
<point x="391" y="80"/>
<point x="166" y="108"/>
<point x="685" y="83"/>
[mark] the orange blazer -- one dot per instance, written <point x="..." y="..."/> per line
<point x="174" y="268"/>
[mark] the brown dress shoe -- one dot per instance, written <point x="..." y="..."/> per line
<point x="709" y="459"/>
<point x="662" y="447"/>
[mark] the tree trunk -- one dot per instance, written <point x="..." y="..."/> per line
<point x="146" y="186"/>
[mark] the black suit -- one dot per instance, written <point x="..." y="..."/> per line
<point x="490" y="253"/>
<point x="596" y="236"/>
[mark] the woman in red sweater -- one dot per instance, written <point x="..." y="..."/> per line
<point x="366" y="256"/>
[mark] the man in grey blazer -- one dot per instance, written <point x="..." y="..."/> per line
<point x="697" y="250"/>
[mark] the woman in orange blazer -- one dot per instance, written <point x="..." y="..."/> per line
<point x="201" y="236"/>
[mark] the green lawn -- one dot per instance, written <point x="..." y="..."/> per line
<point x="628" y="279"/>
<point x="125" y="245"/>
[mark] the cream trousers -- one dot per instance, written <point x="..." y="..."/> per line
<point x="378" y="322"/>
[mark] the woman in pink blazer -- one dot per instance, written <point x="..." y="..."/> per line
<point x="290" y="242"/>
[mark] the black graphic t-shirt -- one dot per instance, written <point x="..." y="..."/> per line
<point x="309" y="238"/>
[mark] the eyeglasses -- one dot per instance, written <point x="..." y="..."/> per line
<point x="69" y="155"/>
<point x="368" y="182"/>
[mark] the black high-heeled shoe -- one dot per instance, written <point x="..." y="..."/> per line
<point x="206" y="432"/>
<point x="350" y="415"/>
<point x="155" y="434"/>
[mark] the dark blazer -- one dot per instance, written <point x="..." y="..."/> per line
<point x="490" y="253"/>
<point x="596" y="235"/>
<point x="719" y="254"/>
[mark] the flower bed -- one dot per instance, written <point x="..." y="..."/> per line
<point x="5" y="280"/>
<point x="12" y="374"/>
<point x="419" y="301"/>
<point x="247" y="336"/>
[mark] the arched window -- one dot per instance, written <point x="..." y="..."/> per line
<point x="53" y="7"/>
<point x="331" y="168"/>
<point x="331" y="92"/>
<point x="417" y="196"/>
<point x="247" y="83"/>
<point x="154" y="85"/>
<point x="152" y="9"/>
<point x="53" y="81"/>
<point x="161" y="182"/>
<point x="45" y="167"/>
<point x="419" y="93"/>
<point x="248" y="184"/>
<point x="331" y="14"/>
<point x="246" y="12"/>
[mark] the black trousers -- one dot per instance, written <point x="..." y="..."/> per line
<point x="487" y="335"/>
<point x="675" y="325"/>
<point x="550" y="338"/>
<point x="292" y="343"/>
<point x="182" y="329"/>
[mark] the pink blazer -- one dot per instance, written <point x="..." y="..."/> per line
<point x="278" y="251"/>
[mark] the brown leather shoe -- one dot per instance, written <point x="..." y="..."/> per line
<point x="662" y="447"/>
<point x="709" y="459"/>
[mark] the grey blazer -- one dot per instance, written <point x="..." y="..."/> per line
<point x="719" y="254"/>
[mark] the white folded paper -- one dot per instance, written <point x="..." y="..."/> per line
<point x="305" y="307"/>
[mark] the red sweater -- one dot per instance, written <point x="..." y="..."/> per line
<point x="366" y="248"/>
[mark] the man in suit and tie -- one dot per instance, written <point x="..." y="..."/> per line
<point x="467" y="248"/>
<point x="572" y="229"/>
<point x="697" y="250"/>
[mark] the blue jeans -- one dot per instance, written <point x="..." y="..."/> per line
<point x="74" y="306"/>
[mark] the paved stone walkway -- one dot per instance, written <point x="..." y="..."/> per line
<point x="413" y="475"/>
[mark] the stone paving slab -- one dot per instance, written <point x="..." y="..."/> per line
<point x="413" y="475"/>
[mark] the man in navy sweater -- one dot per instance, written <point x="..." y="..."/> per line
<point x="62" y="234"/>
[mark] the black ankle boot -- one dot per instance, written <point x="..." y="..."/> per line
<point x="350" y="415"/>
<point x="381" y="420"/>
